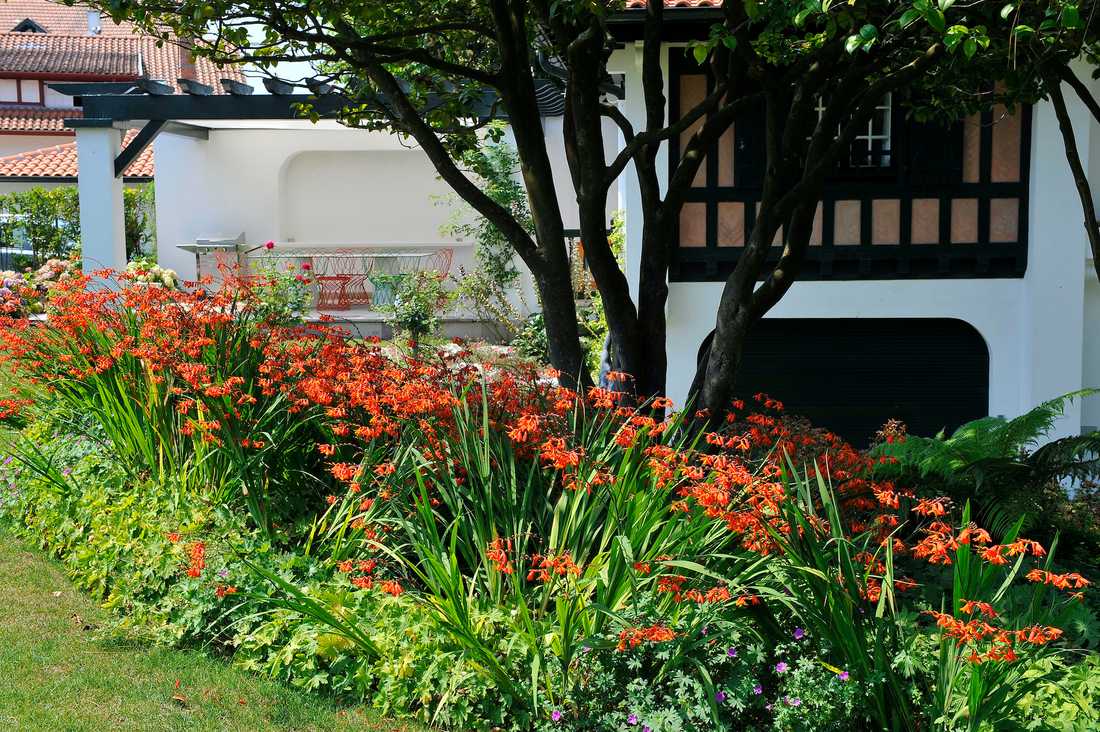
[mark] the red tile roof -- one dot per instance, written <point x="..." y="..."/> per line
<point x="59" y="162"/>
<point x="117" y="57"/>
<point x="26" y="119"/>
<point x="56" y="18"/>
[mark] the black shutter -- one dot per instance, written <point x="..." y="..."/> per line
<point x="935" y="152"/>
<point x="749" y="148"/>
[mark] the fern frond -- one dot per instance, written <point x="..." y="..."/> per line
<point x="1026" y="430"/>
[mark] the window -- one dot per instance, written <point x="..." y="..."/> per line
<point x="28" y="26"/>
<point x="871" y="147"/>
<point x="21" y="91"/>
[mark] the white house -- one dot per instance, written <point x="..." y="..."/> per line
<point x="949" y="279"/>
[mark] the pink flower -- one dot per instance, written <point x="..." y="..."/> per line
<point x="781" y="667"/>
<point x="555" y="715"/>
<point x="269" y="245"/>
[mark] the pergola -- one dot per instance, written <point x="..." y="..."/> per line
<point x="154" y="107"/>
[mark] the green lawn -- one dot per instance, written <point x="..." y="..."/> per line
<point x="56" y="673"/>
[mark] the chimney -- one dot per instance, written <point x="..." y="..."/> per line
<point x="187" y="61"/>
<point x="95" y="26"/>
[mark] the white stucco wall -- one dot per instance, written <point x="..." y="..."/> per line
<point x="1090" y="416"/>
<point x="14" y="186"/>
<point x="14" y="144"/>
<point x="382" y="195"/>
<point x="324" y="185"/>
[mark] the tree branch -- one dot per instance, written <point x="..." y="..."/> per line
<point x="1080" y="177"/>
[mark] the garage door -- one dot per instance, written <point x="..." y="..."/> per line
<point x="851" y="375"/>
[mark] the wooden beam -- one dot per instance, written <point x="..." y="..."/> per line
<point x="139" y="143"/>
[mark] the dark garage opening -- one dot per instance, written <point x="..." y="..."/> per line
<point x="851" y="375"/>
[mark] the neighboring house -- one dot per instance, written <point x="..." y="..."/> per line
<point x="43" y="42"/>
<point x="949" y="277"/>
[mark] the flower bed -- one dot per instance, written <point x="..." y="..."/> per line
<point x="481" y="548"/>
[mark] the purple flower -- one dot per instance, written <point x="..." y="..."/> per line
<point x="645" y="728"/>
<point x="799" y="634"/>
<point x="793" y="701"/>
<point x="781" y="667"/>
<point x="704" y="631"/>
<point x="843" y="676"/>
<point x="223" y="573"/>
<point x="555" y="715"/>
<point x="632" y="719"/>
<point x="758" y="690"/>
<point x="732" y="652"/>
<point x="67" y="472"/>
<point x="720" y="697"/>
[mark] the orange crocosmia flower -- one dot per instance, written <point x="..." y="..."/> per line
<point x="1068" y="581"/>
<point x="971" y="606"/>
<point x="626" y="436"/>
<point x="344" y="472"/>
<point x="993" y="554"/>
<point x="633" y="637"/>
<point x="497" y="553"/>
<point x="391" y="587"/>
<point x="1025" y="546"/>
<point x="931" y="507"/>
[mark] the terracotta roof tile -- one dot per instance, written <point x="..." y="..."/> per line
<point x="59" y="162"/>
<point x="31" y="119"/>
<point x="56" y="18"/>
<point x="119" y="57"/>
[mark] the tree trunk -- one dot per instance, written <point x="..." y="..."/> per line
<point x="1073" y="157"/>
<point x="652" y="299"/>
<point x="560" y="316"/>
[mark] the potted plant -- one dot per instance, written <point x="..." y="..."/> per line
<point x="386" y="286"/>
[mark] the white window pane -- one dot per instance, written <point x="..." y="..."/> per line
<point x="31" y="92"/>
<point x="9" y="90"/>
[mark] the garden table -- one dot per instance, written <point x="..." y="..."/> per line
<point x="342" y="275"/>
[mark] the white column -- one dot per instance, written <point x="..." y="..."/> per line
<point x="102" y="223"/>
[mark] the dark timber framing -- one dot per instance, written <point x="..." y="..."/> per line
<point x="866" y="260"/>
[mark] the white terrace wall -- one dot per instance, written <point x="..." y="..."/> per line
<point x="324" y="185"/>
<point x="1042" y="331"/>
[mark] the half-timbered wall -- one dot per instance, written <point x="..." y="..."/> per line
<point x="920" y="201"/>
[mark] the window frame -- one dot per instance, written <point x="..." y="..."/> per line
<point x="19" y="92"/>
